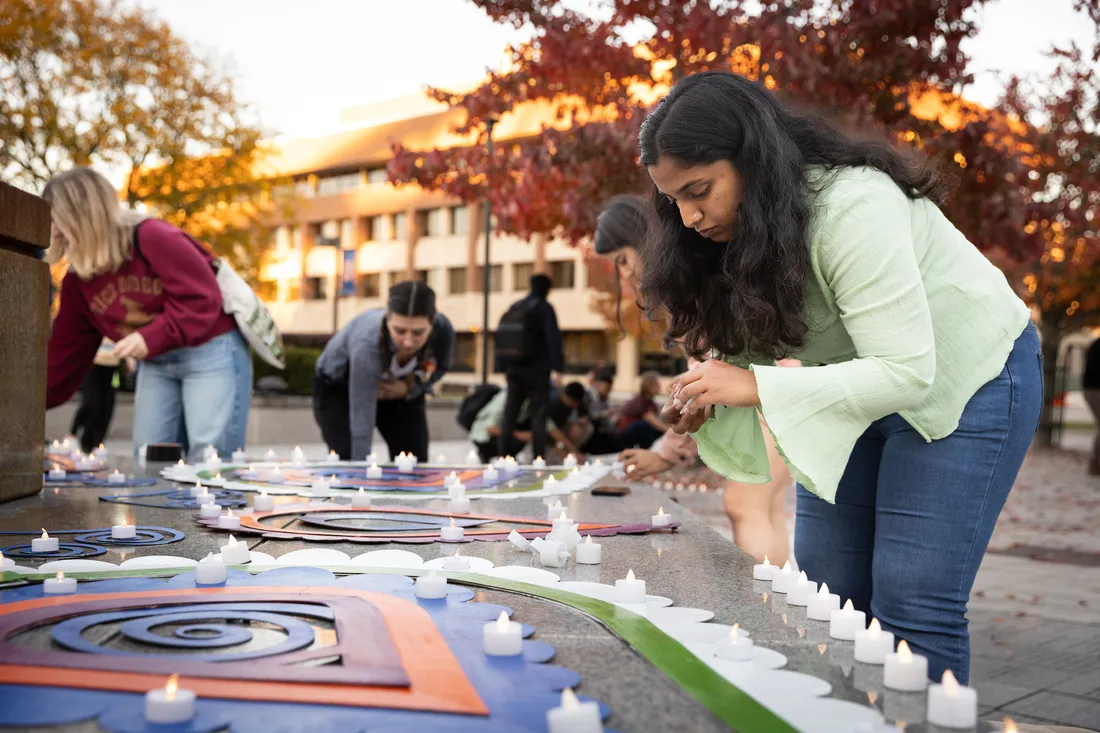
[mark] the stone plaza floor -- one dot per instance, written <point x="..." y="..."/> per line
<point x="1035" y="609"/>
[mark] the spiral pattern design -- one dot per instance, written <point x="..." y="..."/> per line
<point x="222" y="628"/>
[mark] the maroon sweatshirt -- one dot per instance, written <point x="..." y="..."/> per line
<point x="166" y="292"/>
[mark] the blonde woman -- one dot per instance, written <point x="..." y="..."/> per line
<point x="150" y="288"/>
<point x="755" y="510"/>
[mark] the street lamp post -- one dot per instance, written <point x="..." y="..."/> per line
<point x="489" y="124"/>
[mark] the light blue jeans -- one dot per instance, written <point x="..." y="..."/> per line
<point x="197" y="395"/>
<point x="912" y="519"/>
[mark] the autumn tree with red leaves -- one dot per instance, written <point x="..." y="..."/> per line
<point x="890" y="68"/>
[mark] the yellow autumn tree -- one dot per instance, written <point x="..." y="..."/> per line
<point x="108" y="84"/>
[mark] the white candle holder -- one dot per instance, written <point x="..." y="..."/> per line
<point x="502" y="638"/>
<point x="873" y="644"/>
<point x="374" y="472"/>
<point x="555" y="511"/>
<point x="210" y="511"/>
<point x="844" y="624"/>
<point x="235" y="553"/>
<point x="519" y="541"/>
<point x="574" y="716"/>
<point x="802" y="591"/>
<point x="432" y="586"/>
<point x="660" y="519"/>
<point x="59" y="585"/>
<point x="360" y="500"/>
<point x="951" y="705"/>
<point x="116" y="478"/>
<point x="459" y="505"/>
<point x="263" y="502"/>
<point x="123" y="532"/>
<point x="630" y="589"/>
<point x="211" y="571"/>
<point x="764" y="571"/>
<point x="452" y="533"/>
<point x="45" y="543"/>
<point x="229" y="520"/>
<point x="736" y="647"/>
<point x="170" y="704"/>
<point x="822" y="604"/>
<point x="456" y="563"/>
<point x="588" y="552"/>
<point x="904" y="670"/>
<point x="553" y="554"/>
<point x="784" y="580"/>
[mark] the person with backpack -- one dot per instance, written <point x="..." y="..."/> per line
<point x="151" y="289"/>
<point x="528" y="348"/>
<point x="377" y="370"/>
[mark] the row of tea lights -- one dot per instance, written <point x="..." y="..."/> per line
<point x="950" y="704"/>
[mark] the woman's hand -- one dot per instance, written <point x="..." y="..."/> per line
<point x="132" y="347"/>
<point x="714" y="382"/>
<point x="393" y="389"/>
<point x="681" y="422"/>
<point x="641" y="463"/>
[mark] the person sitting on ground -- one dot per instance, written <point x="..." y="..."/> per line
<point x="639" y="421"/>
<point x="604" y="438"/>
<point x="485" y="431"/>
<point x="569" y="413"/>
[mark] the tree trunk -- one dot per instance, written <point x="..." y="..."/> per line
<point x="1051" y="337"/>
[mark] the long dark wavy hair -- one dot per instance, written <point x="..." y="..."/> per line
<point x="746" y="297"/>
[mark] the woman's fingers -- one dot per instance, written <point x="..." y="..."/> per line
<point x="692" y="392"/>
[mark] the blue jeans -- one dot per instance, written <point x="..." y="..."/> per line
<point x="205" y="390"/>
<point x="912" y="519"/>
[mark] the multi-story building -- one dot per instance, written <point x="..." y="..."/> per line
<point x="346" y="211"/>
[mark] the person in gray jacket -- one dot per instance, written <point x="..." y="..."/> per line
<point x="376" y="371"/>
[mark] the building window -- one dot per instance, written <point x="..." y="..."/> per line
<point x="521" y="276"/>
<point x="433" y="223"/>
<point x="399" y="226"/>
<point x="423" y="276"/>
<point x="460" y="219"/>
<point x="564" y="274"/>
<point x="456" y="280"/>
<point x="464" y="358"/>
<point x="667" y="365"/>
<point x="315" y="288"/>
<point x="303" y="187"/>
<point x="328" y="185"/>
<point x="368" y="285"/>
<point x="377" y="175"/>
<point x="583" y="349"/>
<point x="496" y="278"/>
<point x="376" y="228"/>
<point x="267" y="291"/>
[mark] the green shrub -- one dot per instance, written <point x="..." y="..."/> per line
<point x="300" y="362"/>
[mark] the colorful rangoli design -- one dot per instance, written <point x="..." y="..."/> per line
<point x="330" y="522"/>
<point x="284" y="650"/>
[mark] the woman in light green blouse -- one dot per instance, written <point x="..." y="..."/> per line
<point x="778" y="236"/>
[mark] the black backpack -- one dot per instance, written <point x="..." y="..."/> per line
<point x="516" y="336"/>
<point x="473" y="403"/>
